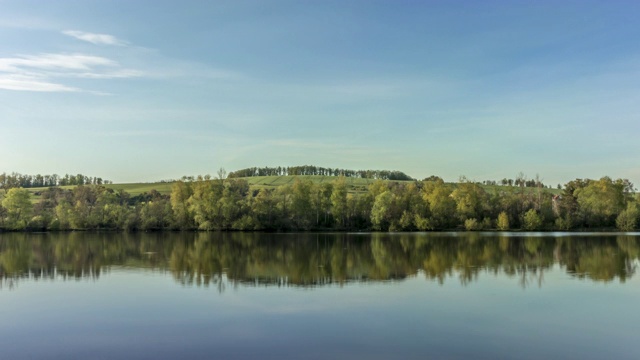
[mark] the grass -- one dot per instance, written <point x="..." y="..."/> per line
<point x="139" y="188"/>
<point x="355" y="184"/>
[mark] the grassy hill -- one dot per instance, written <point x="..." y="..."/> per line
<point x="356" y="185"/>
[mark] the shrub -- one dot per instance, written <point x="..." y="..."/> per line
<point x="471" y="225"/>
<point x="563" y="224"/>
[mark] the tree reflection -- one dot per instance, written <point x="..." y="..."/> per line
<point x="309" y="260"/>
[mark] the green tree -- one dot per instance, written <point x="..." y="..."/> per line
<point x="283" y="195"/>
<point x="442" y="207"/>
<point x="470" y="199"/>
<point x="339" y="201"/>
<point x="264" y="208"/>
<point x="472" y="224"/>
<point x="18" y="208"/>
<point x="301" y="204"/>
<point x="601" y="201"/>
<point x="532" y="220"/>
<point x="503" y="221"/>
<point x="628" y="218"/>
<point x="205" y="204"/>
<point x="380" y="211"/>
<point x="321" y="202"/>
<point x="180" y="194"/>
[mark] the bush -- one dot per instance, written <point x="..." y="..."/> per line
<point x="563" y="224"/>
<point x="37" y="223"/>
<point x="471" y="225"/>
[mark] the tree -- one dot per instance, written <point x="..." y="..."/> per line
<point x="628" y="218"/>
<point x="380" y="211"/>
<point x="321" y="201"/>
<point x="301" y="205"/>
<point x="600" y="201"/>
<point x="471" y="224"/>
<point x="222" y="174"/>
<point x="441" y="205"/>
<point x="470" y="199"/>
<point x="205" y="204"/>
<point x="532" y="220"/>
<point x="263" y="207"/>
<point x="18" y="207"/>
<point x="339" y="200"/>
<point x="503" y="221"/>
<point x="180" y="194"/>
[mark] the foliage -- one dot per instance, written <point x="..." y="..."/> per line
<point x="503" y="221"/>
<point x="472" y="224"/>
<point x="628" y="218"/>
<point x="306" y="203"/>
<point x="16" y="180"/>
<point x="18" y="208"/>
<point x="532" y="221"/>
<point x="316" y="170"/>
<point x="600" y="201"/>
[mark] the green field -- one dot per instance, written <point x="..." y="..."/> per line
<point x="356" y="185"/>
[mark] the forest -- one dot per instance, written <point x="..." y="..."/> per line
<point x="231" y="204"/>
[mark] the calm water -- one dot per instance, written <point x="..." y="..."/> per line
<point x="319" y="296"/>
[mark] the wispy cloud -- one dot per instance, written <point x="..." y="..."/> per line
<point x="36" y="72"/>
<point x="58" y="62"/>
<point x="29" y="83"/>
<point x="98" y="39"/>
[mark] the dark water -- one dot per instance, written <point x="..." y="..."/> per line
<point x="319" y="296"/>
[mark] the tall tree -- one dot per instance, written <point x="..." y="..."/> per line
<point x="339" y="201"/>
<point x="180" y="194"/>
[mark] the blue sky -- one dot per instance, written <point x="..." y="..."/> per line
<point x="149" y="90"/>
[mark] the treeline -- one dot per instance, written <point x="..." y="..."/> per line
<point x="317" y="170"/>
<point x="282" y="260"/>
<point x="16" y="180"/>
<point x="232" y="204"/>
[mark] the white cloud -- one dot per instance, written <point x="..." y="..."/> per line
<point x="98" y="39"/>
<point x="28" y="83"/>
<point x="58" y="62"/>
<point x="35" y="72"/>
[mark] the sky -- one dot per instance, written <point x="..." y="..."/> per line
<point x="136" y="91"/>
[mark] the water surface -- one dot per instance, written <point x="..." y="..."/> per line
<point x="319" y="296"/>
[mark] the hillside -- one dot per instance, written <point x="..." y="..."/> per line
<point x="356" y="185"/>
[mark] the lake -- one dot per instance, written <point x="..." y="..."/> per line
<point x="319" y="296"/>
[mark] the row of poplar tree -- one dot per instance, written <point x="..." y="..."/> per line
<point x="8" y="181"/>
<point x="321" y="171"/>
<point x="232" y="204"/>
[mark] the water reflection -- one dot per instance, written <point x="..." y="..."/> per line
<point x="307" y="260"/>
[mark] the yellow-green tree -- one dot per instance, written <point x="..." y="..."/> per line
<point x="339" y="201"/>
<point x="503" y="221"/>
<point x="18" y="208"/>
<point x="442" y="207"/>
